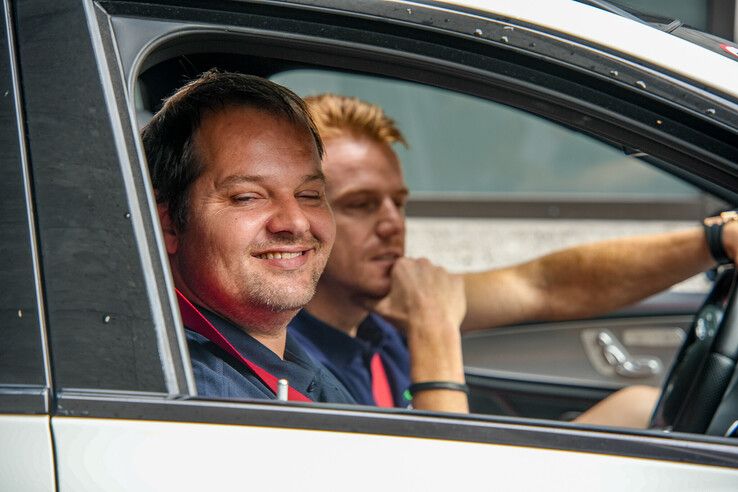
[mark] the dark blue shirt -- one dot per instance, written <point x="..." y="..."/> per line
<point x="349" y="358"/>
<point x="219" y="375"/>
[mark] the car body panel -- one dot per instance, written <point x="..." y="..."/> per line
<point x="97" y="454"/>
<point x="26" y="459"/>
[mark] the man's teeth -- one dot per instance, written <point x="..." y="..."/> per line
<point x="279" y="256"/>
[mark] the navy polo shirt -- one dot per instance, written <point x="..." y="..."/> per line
<point x="349" y="358"/>
<point x="219" y="375"/>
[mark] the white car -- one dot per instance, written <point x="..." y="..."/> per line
<point x="544" y="113"/>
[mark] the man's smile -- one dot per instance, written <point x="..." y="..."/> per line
<point x="277" y="255"/>
<point x="286" y="257"/>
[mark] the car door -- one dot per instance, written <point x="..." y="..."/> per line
<point x="125" y="414"/>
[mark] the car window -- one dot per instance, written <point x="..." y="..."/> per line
<point x="519" y="185"/>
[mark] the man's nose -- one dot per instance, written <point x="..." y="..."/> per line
<point x="391" y="220"/>
<point x="288" y="217"/>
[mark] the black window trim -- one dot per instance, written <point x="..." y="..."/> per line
<point x="417" y="17"/>
<point x="28" y="399"/>
<point x="172" y="347"/>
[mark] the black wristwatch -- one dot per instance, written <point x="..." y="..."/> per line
<point x="714" y="235"/>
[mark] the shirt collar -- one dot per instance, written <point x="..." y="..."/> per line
<point x="297" y="366"/>
<point x="342" y="347"/>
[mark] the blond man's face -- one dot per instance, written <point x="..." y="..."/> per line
<point x="367" y="192"/>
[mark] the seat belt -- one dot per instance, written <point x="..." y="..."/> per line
<point x="197" y="322"/>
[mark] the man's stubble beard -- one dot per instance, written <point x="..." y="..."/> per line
<point x="351" y="291"/>
<point x="276" y="296"/>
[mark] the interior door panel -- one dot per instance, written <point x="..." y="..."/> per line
<point x="558" y="370"/>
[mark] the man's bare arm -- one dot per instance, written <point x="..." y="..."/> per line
<point x="428" y="304"/>
<point x="590" y="279"/>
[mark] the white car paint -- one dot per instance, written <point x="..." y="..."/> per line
<point x="119" y="455"/>
<point x="26" y="461"/>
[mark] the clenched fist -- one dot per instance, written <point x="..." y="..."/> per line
<point x="423" y="293"/>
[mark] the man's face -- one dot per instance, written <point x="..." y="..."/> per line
<point x="259" y="228"/>
<point x="368" y="193"/>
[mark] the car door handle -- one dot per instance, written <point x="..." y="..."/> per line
<point x="622" y="362"/>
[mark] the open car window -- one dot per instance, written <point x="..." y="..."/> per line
<point x="493" y="185"/>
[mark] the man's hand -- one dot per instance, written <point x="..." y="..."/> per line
<point x="428" y="304"/>
<point x="422" y="293"/>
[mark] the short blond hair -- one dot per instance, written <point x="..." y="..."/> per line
<point x="335" y="115"/>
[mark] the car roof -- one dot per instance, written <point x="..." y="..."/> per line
<point x="634" y="39"/>
<point x="673" y="26"/>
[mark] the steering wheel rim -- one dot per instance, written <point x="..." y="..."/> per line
<point x="704" y="367"/>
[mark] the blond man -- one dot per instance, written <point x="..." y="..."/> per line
<point x="368" y="282"/>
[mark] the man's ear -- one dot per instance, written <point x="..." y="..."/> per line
<point x="171" y="239"/>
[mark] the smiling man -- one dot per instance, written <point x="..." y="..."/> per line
<point x="235" y="161"/>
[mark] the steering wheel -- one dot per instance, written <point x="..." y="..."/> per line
<point x="700" y="394"/>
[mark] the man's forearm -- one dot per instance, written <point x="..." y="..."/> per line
<point x="598" y="278"/>
<point x="435" y="355"/>
<point x="585" y="280"/>
<point x="427" y="304"/>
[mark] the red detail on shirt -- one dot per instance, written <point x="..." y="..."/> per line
<point x="195" y="321"/>
<point x="380" y="384"/>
